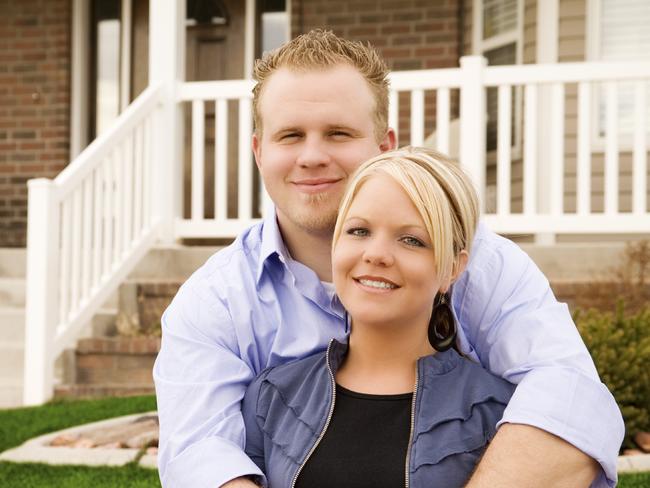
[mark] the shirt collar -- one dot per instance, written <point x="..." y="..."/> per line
<point x="272" y="244"/>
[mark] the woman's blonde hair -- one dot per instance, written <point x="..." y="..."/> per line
<point x="441" y="192"/>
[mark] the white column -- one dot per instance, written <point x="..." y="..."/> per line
<point x="548" y="15"/>
<point x="41" y="297"/>
<point x="249" y="39"/>
<point x="472" y="122"/>
<point x="167" y="66"/>
<point x="79" y="78"/>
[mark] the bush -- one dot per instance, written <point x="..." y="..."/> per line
<point x="620" y="347"/>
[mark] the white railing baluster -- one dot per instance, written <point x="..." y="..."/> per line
<point x="98" y="209"/>
<point x="417" y="117"/>
<point x="198" y="159"/>
<point x="86" y="243"/>
<point x="147" y="167"/>
<point x="557" y="149"/>
<point x="118" y="202"/>
<point x="245" y="194"/>
<point x="640" y="164"/>
<point x="611" y="149"/>
<point x="504" y="145"/>
<point x="442" y="120"/>
<point x="393" y="112"/>
<point x="75" y="278"/>
<point x="66" y="251"/>
<point x="530" y="150"/>
<point x="127" y="195"/>
<point x="583" y="170"/>
<point x="137" y="183"/>
<point x="221" y="160"/>
<point x="108" y="215"/>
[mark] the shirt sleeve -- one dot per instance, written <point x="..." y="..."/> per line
<point x="512" y="323"/>
<point x="200" y="381"/>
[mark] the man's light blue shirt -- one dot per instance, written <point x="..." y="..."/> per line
<point x="250" y="306"/>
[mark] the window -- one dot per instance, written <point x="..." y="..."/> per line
<point x="497" y="37"/>
<point x="618" y="31"/>
<point x="274" y="24"/>
<point x="106" y="64"/>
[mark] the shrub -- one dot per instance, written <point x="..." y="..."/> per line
<point x="620" y="347"/>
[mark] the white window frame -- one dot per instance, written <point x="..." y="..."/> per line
<point x="480" y="46"/>
<point x="592" y="53"/>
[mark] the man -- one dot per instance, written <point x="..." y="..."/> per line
<point x="320" y="108"/>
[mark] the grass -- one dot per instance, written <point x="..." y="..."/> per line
<point x="634" y="480"/>
<point x="20" y="424"/>
<point x="43" y="476"/>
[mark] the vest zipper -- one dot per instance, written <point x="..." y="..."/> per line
<point x="327" y="422"/>
<point x="408" y="450"/>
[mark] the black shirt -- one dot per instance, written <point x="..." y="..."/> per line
<point x="365" y="444"/>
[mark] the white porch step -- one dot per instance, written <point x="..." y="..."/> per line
<point x="12" y="325"/>
<point x="13" y="262"/>
<point x="12" y="292"/>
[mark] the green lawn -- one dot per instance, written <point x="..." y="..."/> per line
<point x="636" y="480"/>
<point x="21" y="424"/>
<point x="45" y="476"/>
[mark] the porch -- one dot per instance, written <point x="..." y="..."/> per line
<point x="568" y="157"/>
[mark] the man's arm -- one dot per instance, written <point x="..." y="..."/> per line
<point x="200" y="382"/>
<point x="513" y="324"/>
<point x="526" y="457"/>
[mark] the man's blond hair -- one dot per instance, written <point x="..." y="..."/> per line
<point x="320" y="50"/>
<point x="442" y="193"/>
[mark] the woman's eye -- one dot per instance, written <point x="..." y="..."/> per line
<point x="357" y="232"/>
<point x="412" y="241"/>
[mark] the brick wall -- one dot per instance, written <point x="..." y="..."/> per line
<point x="410" y="34"/>
<point x="34" y="103"/>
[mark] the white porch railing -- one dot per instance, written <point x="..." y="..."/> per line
<point x="546" y="196"/>
<point x="87" y="229"/>
<point x="90" y="226"/>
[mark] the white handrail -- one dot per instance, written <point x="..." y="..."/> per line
<point x="87" y="229"/>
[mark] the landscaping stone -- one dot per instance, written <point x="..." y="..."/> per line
<point x="137" y="434"/>
<point x="78" y="445"/>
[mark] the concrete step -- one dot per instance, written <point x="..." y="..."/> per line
<point x="171" y="263"/>
<point x="11" y="394"/>
<point x="12" y="325"/>
<point x="12" y="292"/>
<point x="13" y="262"/>
<point x="11" y="361"/>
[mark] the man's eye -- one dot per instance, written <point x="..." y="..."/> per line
<point x="340" y="134"/>
<point x="357" y="232"/>
<point x="412" y="241"/>
<point x="289" y="136"/>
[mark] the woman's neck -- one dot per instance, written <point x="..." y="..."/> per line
<point x="382" y="360"/>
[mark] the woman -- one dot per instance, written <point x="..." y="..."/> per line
<point x="397" y="404"/>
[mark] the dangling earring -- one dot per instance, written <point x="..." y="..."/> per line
<point x="442" y="326"/>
